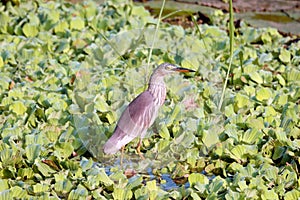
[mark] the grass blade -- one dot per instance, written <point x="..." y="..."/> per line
<point x="231" y="37"/>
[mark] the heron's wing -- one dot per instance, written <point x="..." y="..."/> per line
<point x="142" y="109"/>
<point x="134" y="121"/>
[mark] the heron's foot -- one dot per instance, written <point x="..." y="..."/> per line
<point x="122" y="155"/>
<point x="138" y="149"/>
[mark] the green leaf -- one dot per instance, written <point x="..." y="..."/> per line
<point x="185" y="139"/>
<point x="4" y="85"/>
<point x="18" y="193"/>
<point x="86" y="164"/>
<point x="122" y="193"/>
<point x="63" y="47"/>
<point x="285" y="56"/>
<point x="266" y="37"/>
<point x="152" y="189"/>
<point x="263" y="94"/>
<point x="281" y="134"/>
<point x="264" y="57"/>
<point x="291" y="195"/>
<point x="18" y="107"/>
<point x="242" y="101"/>
<point x="256" y="123"/>
<point x="162" y="145"/>
<point x="280" y="79"/>
<point x="61" y="27"/>
<point x="1" y="62"/>
<point x="63" y="149"/>
<point x="238" y="152"/>
<point x="77" y="23"/>
<point x="104" y="178"/>
<point x="195" y="196"/>
<point x="5" y="156"/>
<point x="26" y="173"/>
<point x="278" y="152"/>
<point x="293" y="75"/>
<point x="270" y="111"/>
<point x="151" y="185"/>
<point x="4" y="21"/>
<point x="251" y="136"/>
<point x="174" y="115"/>
<point x="39" y="188"/>
<point x="90" y="9"/>
<point x="63" y="186"/>
<point x="210" y="137"/>
<point x="3" y="184"/>
<point x="100" y="104"/>
<point x="119" y="193"/>
<point x="140" y="11"/>
<point x="97" y="194"/>
<point x="30" y="30"/>
<point x="44" y="169"/>
<point x="33" y="151"/>
<point x="79" y="193"/>
<point x="271" y="172"/>
<point x="164" y="132"/>
<point x="270" y="194"/>
<point x="5" y="194"/>
<point x="282" y="100"/>
<point x="197" y="178"/>
<point x="231" y="195"/>
<point x="242" y="185"/>
<point x="111" y="117"/>
<point x="255" y="76"/>
<point x="217" y="185"/>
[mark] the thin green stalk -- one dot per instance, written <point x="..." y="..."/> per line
<point x="155" y="33"/>
<point x="231" y="37"/>
<point x="154" y="37"/>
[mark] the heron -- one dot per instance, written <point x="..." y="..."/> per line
<point x="140" y="114"/>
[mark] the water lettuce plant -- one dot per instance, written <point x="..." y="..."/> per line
<point x="67" y="71"/>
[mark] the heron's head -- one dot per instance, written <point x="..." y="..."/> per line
<point x="168" y="68"/>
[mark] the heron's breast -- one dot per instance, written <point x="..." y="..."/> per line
<point x="159" y="95"/>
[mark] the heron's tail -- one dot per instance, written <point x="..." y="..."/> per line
<point x="116" y="141"/>
<point x="110" y="147"/>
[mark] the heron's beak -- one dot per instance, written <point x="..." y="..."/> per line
<point x="181" y="69"/>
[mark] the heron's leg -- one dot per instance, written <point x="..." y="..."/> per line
<point x="122" y="155"/>
<point x="138" y="149"/>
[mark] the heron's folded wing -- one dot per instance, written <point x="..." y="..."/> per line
<point x="139" y="115"/>
<point x="134" y="121"/>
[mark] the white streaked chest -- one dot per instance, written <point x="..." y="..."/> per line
<point x="158" y="92"/>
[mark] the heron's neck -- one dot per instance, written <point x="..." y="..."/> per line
<point x="158" y="90"/>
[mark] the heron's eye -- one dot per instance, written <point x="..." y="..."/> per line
<point x="169" y="67"/>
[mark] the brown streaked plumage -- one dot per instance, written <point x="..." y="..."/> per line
<point x="142" y="111"/>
